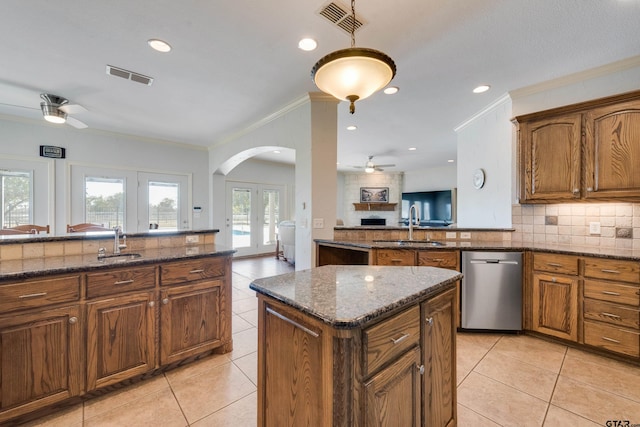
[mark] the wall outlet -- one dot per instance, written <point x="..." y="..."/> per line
<point x="318" y="222"/>
<point x="450" y="235"/>
<point x="193" y="239"/>
<point x="465" y="235"/>
<point x="594" y="228"/>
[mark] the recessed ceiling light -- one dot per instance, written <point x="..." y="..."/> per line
<point x="352" y="127"/>
<point x="481" y="88"/>
<point x="159" y="45"/>
<point x="412" y="148"/>
<point x="276" y="151"/>
<point x="307" y="44"/>
<point x="391" y="90"/>
<point x="450" y="161"/>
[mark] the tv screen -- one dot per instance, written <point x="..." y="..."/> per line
<point x="434" y="207"/>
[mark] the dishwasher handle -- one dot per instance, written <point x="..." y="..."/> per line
<point x="493" y="261"/>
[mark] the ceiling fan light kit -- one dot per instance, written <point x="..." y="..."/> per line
<point x="355" y="73"/>
<point x="51" y="108"/>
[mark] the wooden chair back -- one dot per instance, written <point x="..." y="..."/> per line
<point x="10" y="231"/>
<point x="79" y="228"/>
<point x="30" y="228"/>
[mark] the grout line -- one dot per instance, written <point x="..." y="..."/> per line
<point x="555" y="384"/>
<point x="164" y="374"/>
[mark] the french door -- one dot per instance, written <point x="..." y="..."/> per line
<point x="253" y="214"/>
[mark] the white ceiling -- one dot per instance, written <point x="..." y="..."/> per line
<point x="235" y="62"/>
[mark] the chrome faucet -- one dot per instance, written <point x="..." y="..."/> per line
<point x="412" y="210"/>
<point x="117" y="230"/>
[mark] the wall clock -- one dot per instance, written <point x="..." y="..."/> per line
<point x="478" y="179"/>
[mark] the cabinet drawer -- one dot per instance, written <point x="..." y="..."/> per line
<point x="611" y="313"/>
<point x="202" y="268"/>
<point x="612" y="338"/>
<point x="395" y="257"/>
<point x="390" y="338"/>
<point x="39" y="293"/>
<point x="612" y="292"/>
<point x="612" y="269"/>
<point x="444" y="259"/>
<point x="555" y="263"/>
<point x="122" y="280"/>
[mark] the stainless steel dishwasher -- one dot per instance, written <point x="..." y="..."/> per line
<point x="491" y="291"/>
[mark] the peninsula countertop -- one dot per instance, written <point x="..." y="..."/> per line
<point x="350" y="296"/>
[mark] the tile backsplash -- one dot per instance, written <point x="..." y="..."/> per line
<point x="614" y="225"/>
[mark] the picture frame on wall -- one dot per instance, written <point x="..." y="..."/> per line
<point x="374" y="194"/>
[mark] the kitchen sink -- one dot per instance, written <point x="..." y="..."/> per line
<point x="411" y="242"/>
<point x="119" y="257"/>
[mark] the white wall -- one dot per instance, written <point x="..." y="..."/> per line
<point x="106" y="150"/>
<point x="434" y="179"/>
<point x="486" y="142"/>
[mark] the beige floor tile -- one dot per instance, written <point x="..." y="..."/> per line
<point x="244" y="305"/>
<point x="470" y="349"/>
<point x="500" y="403"/>
<point x="532" y="350"/>
<point x="482" y="340"/>
<point x="115" y="399"/>
<point x="242" y="293"/>
<point x="610" y="375"/>
<point x="249" y="366"/>
<point x="197" y="368"/>
<point x="251" y="317"/>
<point x="207" y="393"/>
<point x="242" y="413"/>
<point x="155" y="409"/>
<point x="71" y="417"/>
<point x="244" y="342"/>
<point x="593" y="403"/>
<point x="527" y="378"/>
<point x="238" y="324"/>
<point x="558" y="417"/>
<point x="469" y="418"/>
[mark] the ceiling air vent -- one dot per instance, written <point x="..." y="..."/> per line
<point x="129" y="75"/>
<point x="340" y="16"/>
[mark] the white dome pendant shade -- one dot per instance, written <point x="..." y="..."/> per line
<point x="355" y="73"/>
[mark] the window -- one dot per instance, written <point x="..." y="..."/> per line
<point x="17" y="198"/>
<point x="163" y="205"/>
<point x="104" y="201"/>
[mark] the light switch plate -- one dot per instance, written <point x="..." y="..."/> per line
<point x="318" y="222"/>
<point x="193" y="239"/>
<point x="465" y="235"/>
<point x="450" y="235"/>
<point x="594" y="227"/>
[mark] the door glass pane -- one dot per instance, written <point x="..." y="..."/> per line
<point x="104" y="201"/>
<point x="163" y="205"/>
<point x="241" y="227"/>
<point x="271" y="203"/>
<point x="16" y="198"/>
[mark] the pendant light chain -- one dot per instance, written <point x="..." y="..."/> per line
<point x="353" y="23"/>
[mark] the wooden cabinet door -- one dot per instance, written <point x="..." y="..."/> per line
<point x="555" y="306"/>
<point x="40" y="359"/>
<point x="444" y="259"/>
<point x="439" y="358"/>
<point x="192" y="320"/>
<point x="612" y="152"/>
<point x="550" y="158"/>
<point x="120" y="338"/>
<point x="392" y="396"/>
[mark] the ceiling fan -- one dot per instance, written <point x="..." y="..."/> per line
<point x="57" y="109"/>
<point x="371" y="167"/>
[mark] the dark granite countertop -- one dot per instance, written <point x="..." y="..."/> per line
<point x="472" y="245"/>
<point x="350" y="296"/>
<point x="35" y="267"/>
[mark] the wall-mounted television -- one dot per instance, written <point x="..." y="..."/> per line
<point x="435" y="208"/>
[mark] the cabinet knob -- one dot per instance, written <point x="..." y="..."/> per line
<point x="576" y="190"/>
<point x="73" y="320"/>
<point x="165" y="301"/>
<point x="420" y="369"/>
<point x="589" y="189"/>
<point x="429" y="320"/>
<point x="151" y="303"/>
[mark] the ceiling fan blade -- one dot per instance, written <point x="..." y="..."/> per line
<point x="76" y="123"/>
<point x="385" y="166"/>
<point x="73" y="109"/>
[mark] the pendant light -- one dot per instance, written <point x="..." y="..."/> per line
<point x="354" y="73"/>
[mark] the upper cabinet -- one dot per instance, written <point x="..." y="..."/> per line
<point x="581" y="152"/>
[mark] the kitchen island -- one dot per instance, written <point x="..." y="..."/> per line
<point x="357" y="345"/>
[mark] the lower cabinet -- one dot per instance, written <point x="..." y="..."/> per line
<point x="40" y="359"/>
<point x="399" y="371"/>
<point x="555" y="306"/>
<point x="120" y="338"/>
